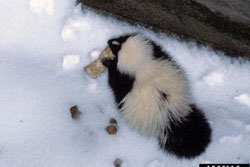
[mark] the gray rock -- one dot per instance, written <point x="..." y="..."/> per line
<point x="201" y="21"/>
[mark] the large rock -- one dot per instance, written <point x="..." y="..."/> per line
<point x="199" y="20"/>
<point x="236" y="10"/>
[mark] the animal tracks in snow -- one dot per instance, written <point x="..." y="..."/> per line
<point x="214" y="79"/>
<point x="40" y="6"/>
<point x="243" y="99"/>
<point x="231" y="139"/>
<point x="70" y="61"/>
<point x="74" y="28"/>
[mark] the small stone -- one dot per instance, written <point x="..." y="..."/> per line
<point x="75" y="113"/>
<point x="113" y="121"/>
<point x="118" y="162"/>
<point x="111" y="129"/>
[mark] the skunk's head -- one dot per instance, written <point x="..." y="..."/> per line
<point x="132" y="52"/>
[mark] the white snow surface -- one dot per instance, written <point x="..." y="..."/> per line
<point x="44" y="45"/>
<point x="70" y="61"/>
<point x="244" y="99"/>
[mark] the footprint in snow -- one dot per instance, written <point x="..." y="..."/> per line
<point x="75" y="28"/>
<point x="243" y="99"/>
<point x="41" y="6"/>
<point x="214" y="79"/>
<point x="230" y="139"/>
<point x="70" y="61"/>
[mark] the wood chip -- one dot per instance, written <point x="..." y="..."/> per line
<point x="96" y="68"/>
<point x="111" y="129"/>
<point x="75" y="113"/>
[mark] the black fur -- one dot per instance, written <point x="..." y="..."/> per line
<point x="190" y="137"/>
<point x="159" y="53"/>
<point x="164" y="96"/>
<point x="120" y="83"/>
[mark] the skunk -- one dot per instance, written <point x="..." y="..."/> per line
<point x="152" y="94"/>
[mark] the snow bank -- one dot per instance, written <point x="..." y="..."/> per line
<point x="44" y="46"/>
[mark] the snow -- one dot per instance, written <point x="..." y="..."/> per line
<point x="231" y="139"/>
<point x="75" y="27"/>
<point x="95" y="54"/>
<point x="44" y="46"/>
<point x="154" y="163"/>
<point x="39" y="6"/>
<point x="237" y="123"/>
<point x="213" y="79"/>
<point x="244" y="99"/>
<point x="70" y="61"/>
<point x="248" y="127"/>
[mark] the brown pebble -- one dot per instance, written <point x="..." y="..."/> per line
<point x="111" y="129"/>
<point x="74" y="112"/>
<point x="117" y="162"/>
<point x="113" y="121"/>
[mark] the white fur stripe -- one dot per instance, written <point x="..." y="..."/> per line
<point x="144" y="108"/>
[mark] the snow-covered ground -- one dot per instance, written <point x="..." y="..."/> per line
<point x="44" y="45"/>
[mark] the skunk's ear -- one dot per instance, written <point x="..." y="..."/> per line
<point x="116" y="43"/>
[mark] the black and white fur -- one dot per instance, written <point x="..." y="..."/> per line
<point x="153" y="96"/>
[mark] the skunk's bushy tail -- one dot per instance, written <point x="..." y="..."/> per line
<point x="189" y="138"/>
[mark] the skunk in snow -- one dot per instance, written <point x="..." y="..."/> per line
<point x="152" y="94"/>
